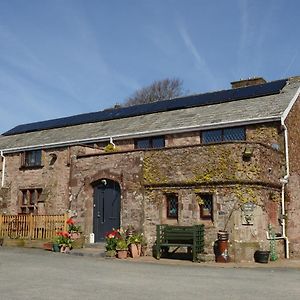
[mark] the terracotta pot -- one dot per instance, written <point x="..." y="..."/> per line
<point x="135" y="250"/>
<point x="122" y="254"/>
<point x="48" y="246"/>
<point x="75" y="235"/>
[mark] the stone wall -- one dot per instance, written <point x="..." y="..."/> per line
<point x="52" y="178"/>
<point x="125" y="168"/>
<point x="222" y="171"/>
<point x="145" y="176"/>
<point x="206" y="164"/>
<point x="293" y="198"/>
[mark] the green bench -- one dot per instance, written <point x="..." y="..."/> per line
<point x="191" y="237"/>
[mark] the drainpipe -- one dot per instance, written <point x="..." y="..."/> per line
<point x="111" y="142"/>
<point x="284" y="181"/>
<point x="3" y="168"/>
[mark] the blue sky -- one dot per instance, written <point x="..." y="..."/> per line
<point x="65" y="57"/>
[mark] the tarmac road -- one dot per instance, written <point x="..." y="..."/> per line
<point x="38" y="274"/>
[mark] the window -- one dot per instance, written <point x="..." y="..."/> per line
<point x="29" y="200"/>
<point x="225" y="134"/>
<point x="206" y="206"/>
<point x="32" y="158"/>
<point x="172" y="206"/>
<point x="150" y="142"/>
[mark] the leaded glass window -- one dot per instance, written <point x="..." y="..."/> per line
<point x="224" y="134"/>
<point x="211" y="136"/>
<point x="150" y="142"/>
<point x="142" y="143"/>
<point x="206" y="206"/>
<point x="234" y="134"/>
<point x="172" y="206"/>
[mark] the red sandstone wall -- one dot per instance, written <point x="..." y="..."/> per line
<point x="293" y="204"/>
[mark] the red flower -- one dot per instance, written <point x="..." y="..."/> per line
<point x="70" y="221"/>
<point x="65" y="234"/>
<point x="112" y="234"/>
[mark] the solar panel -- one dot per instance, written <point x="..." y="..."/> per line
<point x="270" y="88"/>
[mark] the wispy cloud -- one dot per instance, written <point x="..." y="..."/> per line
<point x="244" y="35"/>
<point x="256" y="23"/>
<point x="290" y="64"/>
<point x="201" y="63"/>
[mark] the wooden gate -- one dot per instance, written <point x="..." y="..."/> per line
<point x="35" y="227"/>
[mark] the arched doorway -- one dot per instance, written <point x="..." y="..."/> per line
<point x="107" y="196"/>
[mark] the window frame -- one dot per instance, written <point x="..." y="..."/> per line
<point x="150" y="141"/>
<point x="169" y="197"/>
<point x="222" y="135"/>
<point x="31" y="159"/>
<point x="203" y="211"/>
<point x="29" y="199"/>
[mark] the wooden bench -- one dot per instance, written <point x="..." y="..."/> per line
<point x="179" y="236"/>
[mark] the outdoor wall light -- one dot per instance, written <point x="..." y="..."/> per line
<point x="248" y="153"/>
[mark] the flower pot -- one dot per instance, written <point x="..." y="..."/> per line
<point x="134" y="250"/>
<point x="55" y="248"/>
<point x="261" y="256"/>
<point x="122" y="254"/>
<point x="48" y="246"/>
<point x="75" y="235"/>
<point x="65" y="249"/>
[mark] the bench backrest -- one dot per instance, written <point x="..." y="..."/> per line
<point x="180" y="234"/>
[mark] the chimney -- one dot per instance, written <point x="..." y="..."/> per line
<point x="247" y="82"/>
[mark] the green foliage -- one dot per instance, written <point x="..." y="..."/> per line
<point x="121" y="244"/>
<point x="136" y="238"/>
<point x="119" y="239"/>
<point x="63" y="239"/>
<point x="109" y="148"/>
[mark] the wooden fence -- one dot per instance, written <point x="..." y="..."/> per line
<point x="35" y="227"/>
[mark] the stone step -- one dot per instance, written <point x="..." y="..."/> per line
<point x="94" y="252"/>
<point x="100" y="245"/>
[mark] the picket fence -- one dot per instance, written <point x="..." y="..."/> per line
<point x="34" y="227"/>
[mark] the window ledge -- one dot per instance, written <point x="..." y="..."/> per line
<point x="31" y="167"/>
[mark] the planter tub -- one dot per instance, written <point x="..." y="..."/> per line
<point x="261" y="256"/>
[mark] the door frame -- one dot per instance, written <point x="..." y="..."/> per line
<point x="110" y="183"/>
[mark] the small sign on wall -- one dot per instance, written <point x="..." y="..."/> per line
<point x="247" y="213"/>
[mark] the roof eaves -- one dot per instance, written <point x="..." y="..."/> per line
<point x="144" y="134"/>
<point x="291" y="104"/>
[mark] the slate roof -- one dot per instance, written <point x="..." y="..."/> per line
<point x="245" y="111"/>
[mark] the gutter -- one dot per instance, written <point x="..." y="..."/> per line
<point x="3" y="168"/>
<point x="143" y="134"/>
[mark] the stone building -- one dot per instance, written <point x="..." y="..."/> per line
<point x="227" y="159"/>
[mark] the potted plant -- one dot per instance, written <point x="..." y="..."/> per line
<point x="122" y="248"/>
<point x="64" y="241"/>
<point x="74" y="230"/>
<point x="135" y="244"/>
<point x="111" y="239"/>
